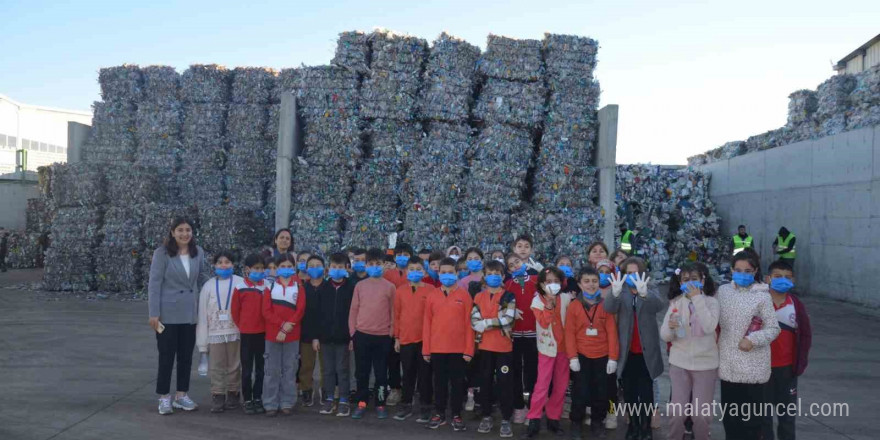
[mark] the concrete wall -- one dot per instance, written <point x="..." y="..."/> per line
<point x="826" y="191"/>
<point x="13" y="200"/>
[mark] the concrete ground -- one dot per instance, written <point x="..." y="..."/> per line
<point x="80" y="368"/>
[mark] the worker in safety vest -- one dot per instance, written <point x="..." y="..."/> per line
<point x="741" y="240"/>
<point x="626" y="239"/>
<point x="784" y="246"/>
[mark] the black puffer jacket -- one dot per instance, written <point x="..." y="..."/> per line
<point x="333" y="314"/>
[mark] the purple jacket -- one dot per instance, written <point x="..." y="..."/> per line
<point x="803" y="336"/>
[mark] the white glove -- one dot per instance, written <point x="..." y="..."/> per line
<point x="574" y="364"/>
<point x="480" y="326"/>
<point x="203" y="364"/>
<point x="617" y="280"/>
<point x="392" y="240"/>
<point x="642" y="280"/>
<point x="518" y="314"/>
<point x="612" y="367"/>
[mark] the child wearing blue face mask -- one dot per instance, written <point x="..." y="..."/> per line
<point x="473" y="260"/>
<point x="308" y="354"/>
<point x="606" y="269"/>
<point x="302" y="260"/>
<point x="569" y="285"/>
<point x="247" y="312"/>
<point x="789" y="351"/>
<point x="397" y="274"/>
<point x="403" y="252"/>
<point x="359" y="263"/>
<point x="217" y="334"/>
<point x="433" y="269"/>
<point x="689" y="325"/>
<point x="748" y="326"/>
<point x="334" y="345"/>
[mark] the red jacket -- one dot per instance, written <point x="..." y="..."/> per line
<point x="247" y="307"/>
<point x="803" y="336"/>
<point x="284" y="304"/>
<point x="524" y="294"/>
<point x="447" y="323"/>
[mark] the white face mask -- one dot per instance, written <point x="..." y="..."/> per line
<point x="500" y="260"/>
<point x="455" y="257"/>
<point x="553" y="288"/>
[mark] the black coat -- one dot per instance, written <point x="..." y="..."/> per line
<point x="311" y="323"/>
<point x="333" y="311"/>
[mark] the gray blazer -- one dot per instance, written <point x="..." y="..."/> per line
<point x="174" y="297"/>
<point x="649" y="332"/>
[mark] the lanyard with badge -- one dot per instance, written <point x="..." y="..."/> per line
<point x="224" y="315"/>
<point x="590" y="330"/>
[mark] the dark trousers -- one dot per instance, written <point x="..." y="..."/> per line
<point x="416" y="371"/>
<point x="371" y="352"/>
<point x="525" y="369"/>
<point x="176" y="341"/>
<point x="449" y="371"/>
<point x="740" y="395"/>
<point x="781" y="391"/>
<point x="394" y="378"/>
<point x="496" y="368"/>
<point x="253" y="347"/>
<point x="590" y="388"/>
<point x="638" y="387"/>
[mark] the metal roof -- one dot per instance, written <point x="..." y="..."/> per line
<point x="860" y="51"/>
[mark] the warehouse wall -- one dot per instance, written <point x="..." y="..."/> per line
<point x="13" y="199"/>
<point x="826" y="191"/>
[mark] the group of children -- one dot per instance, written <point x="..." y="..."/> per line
<point x="465" y="332"/>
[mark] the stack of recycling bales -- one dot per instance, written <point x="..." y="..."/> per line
<point x="25" y="250"/>
<point x="865" y="100"/>
<point x="114" y="124"/>
<point x="433" y="182"/>
<point x="160" y="123"/>
<point x="832" y="101"/>
<point x="388" y="106"/>
<point x="205" y="91"/>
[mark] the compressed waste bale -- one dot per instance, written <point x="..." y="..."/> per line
<point x="253" y="85"/>
<point x="512" y="59"/>
<point x="511" y="102"/>
<point x="25" y="250"/>
<point x="832" y="98"/>
<point x="392" y="140"/>
<point x="78" y="184"/>
<point x="426" y="188"/>
<point x="393" y="52"/>
<point x="119" y="258"/>
<point x="486" y="229"/>
<point x="272" y="120"/>
<point x="309" y="185"/>
<point x="204" y="122"/>
<point x="326" y="91"/>
<point x="205" y="84"/>
<point x="38" y="215"/>
<point x="435" y="228"/>
<point x="202" y="187"/>
<point x="112" y="137"/>
<point x="286" y="82"/>
<point x="253" y="157"/>
<point x="444" y="145"/>
<point x="560" y="187"/>
<point x="316" y="229"/>
<point x="69" y="269"/>
<point x="330" y="142"/>
<point x="450" y="79"/>
<point x="371" y="228"/>
<point x="161" y="85"/>
<point x="353" y="51"/>
<point x="79" y="226"/>
<point x="569" y="56"/>
<point x="865" y="99"/>
<point x="129" y="184"/>
<point x="801" y="106"/>
<point x="764" y="141"/>
<point x="159" y="120"/>
<point x="121" y="83"/>
<point x="503" y="143"/>
<point x="574" y="230"/>
<point x="377" y="183"/>
<point x="230" y="228"/>
<point x="388" y="94"/>
<point x="247" y="121"/>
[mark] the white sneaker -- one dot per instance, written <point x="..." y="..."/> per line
<point x="165" y="406"/>
<point x="519" y="416"/>
<point x="469" y="406"/>
<point x="611" y="421"/>
<point x="185" y="403"/>
<point x="393" y="398"/>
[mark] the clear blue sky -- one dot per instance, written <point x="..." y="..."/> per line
<point x="688" y="75"/>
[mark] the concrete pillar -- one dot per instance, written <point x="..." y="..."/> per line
<point x="606" y="161"/>
<point x="288" y="133"/>
<point x="77" y="134"/>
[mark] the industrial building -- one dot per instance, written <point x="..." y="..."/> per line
<point x="861" y="59"/>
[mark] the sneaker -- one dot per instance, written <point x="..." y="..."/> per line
<point x="611" y="421"/>
<point x="424" y="416"/>
<point x="343" y="409"/>
<point x="393" y="397"/>
<point x="437" y="421"/>
<point x="233" y="401"/>
<point x="485" y="425"/>
<point x="458" y="424"/>
<point x="165" y="406"/>
<point x="328" y="407"/>
<point x="258" y="406"/>
<point x="469" y="406"/>
<point x="403" y="412"/>
<point x="359" y="411"/>
<point x="249" y="408"/>
<point x="506" y="429"/>
<point x="185" y="403"/>
<point x="519" y="416"/>
<point x="308" y="398"/>
<point x="382" y="412"/>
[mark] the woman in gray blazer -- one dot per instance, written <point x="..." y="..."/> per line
<point x="177" y="272"/>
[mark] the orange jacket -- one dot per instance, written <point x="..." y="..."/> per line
<point x="494" y="339"/>
<point x="577" y="322"/>
<point x="409" y="312"/>
<point x="396" y="276"/>
<point x="447" y="323"/>
<point x="545" y="318"/>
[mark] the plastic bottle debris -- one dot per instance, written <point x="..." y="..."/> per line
<point x="161" y="85"/>
<point x="511" y="102"/>
<point x="119" y="257"/>
<point x="353" y="51"/>
<point x="253" y="85"/>
<point x="205" y="84"/>
<point x="121" y="83"/>
<point x="450" y="79"/>
<point x="112" y="137"/>
<point x="78" y="184"/>
<point x="511" y="59"/>
<point x="324" y="91"/>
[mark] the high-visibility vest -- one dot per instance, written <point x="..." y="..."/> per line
<point x="783" y="244"/>
<point x="740" y="245"/>
<point x="625" y="241"/>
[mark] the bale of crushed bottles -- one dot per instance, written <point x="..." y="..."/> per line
<point x="70" y="260"/>
<point x="389" y="94"/>
<point x="78" y="184"/>
<point x="569" y="56"/>
<point x="113" y="134"/>
<point x="370" y="228"/>
<point x="332" y="142"/>
<point x="161" y="85"/>
<point x="353" y="51"/>
<point x="25" y="250"/>
<point x="512" y="59"/>
<point x="204" y="122"/>
<point x="38" y="215"/>
<point x="253" y="85"/>
<point x="324" y="91"/>
<point x="130" y="184"/>
<point x="234" y="229"/>
<point x="392" y="140"/>
<point x="449" y="80"/>
<point x="574" y="229"/>
<point x="205" y="84"/>
<point x="159" y="120"/>
<point x="121" y="83"/>
<point x="307" y="192"/>
<point x="316" y="229"/>
<point x="485" y="228"/>
<point x="511" y="102"/>
<point x="247" y="121"/>
<point x="435" y="228"/>
<point x="801" y="106"/>
<point x="119" y="258"/>
<point x="865" y="100"/>
<point x="394" y="52"/>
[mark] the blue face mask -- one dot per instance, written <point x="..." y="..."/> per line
<point x="604" y="279"/>
<point x="567" y="271"/>
<point x="337" y="273"/>
<point x="743" y="279"/>
<point x="494" y="280"/>
<point x="448" y="279"/>
<point x="301" y="266"/>
<point x="631" y="280"/>
<point x="359" y="266"/>
<point x="401" y="261"/>
<point x="374" y="271"/>
<point x="521" y="272"/>
<point x="475" y="265"/>
<point x="592" y="296"/>
<point x="223" y="273"/>
<point x="463" y="274"/>
<point x="415" y="276"/>
<point x="781" y="285"/>
<point x="433" y="274"/>
<point x="268" y="273"/>
<point x="315" y="272"/>
<point x="686" y="286"/>
<point x="256" y="276"/>
<point x="285" y="272"/>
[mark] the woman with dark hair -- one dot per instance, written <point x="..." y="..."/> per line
<point x="177" y="271"/>
<point x="596" y="252"/>
<point x="282" y="243"/>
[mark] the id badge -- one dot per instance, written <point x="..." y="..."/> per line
<point x="224" y="317"/>
<point x="592" y="332"/>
